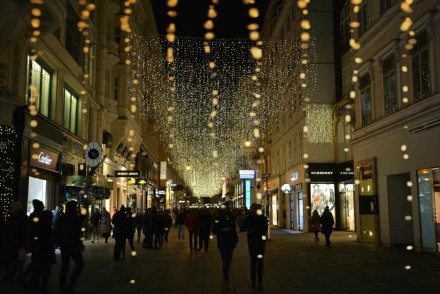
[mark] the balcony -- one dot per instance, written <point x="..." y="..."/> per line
<point x="14" y="23"/>
<point x="112" y="53"/>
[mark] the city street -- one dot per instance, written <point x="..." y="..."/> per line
<point x="293" y="264"/>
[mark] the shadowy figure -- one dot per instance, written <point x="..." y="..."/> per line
<point x="69" y="233"/>
<point x="205" y="224"/>
<point x="129" y="229"/>
<point x="327" y="223"/>
<point x="106" y="224"/>
<point x="192" y="223"/>
<point x="255" y="224"/>
<point x="119" y="222"/>
<point x="316" y="225"/>
<point x="225" y="229"/>
<point x="39" y="241"/>
<point x="13" y="240"/>
<point x="167" y="223"/>
<point x="95" y="220"/>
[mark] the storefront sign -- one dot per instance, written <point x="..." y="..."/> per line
<point x="127" y="173"/>
<point x="247" y="174"/>
<point x="45" y="159"/>
<point x="294" y="177"/>
<point x="344" y="171"/>
<point x="321" y="172"/>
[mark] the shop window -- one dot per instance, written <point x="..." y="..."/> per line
<point x="389" y="85"/>
<point x="41" y="78"/>
<point x="387" y="4"/>
<point x="364" y="18"/>
<point x="420" y="68"/>
<point x="366" y="107"/>
<point x="71" y="110"/>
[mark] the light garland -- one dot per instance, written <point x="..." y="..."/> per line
<point x="8" y="139"/>
<point x="214" y="149"/>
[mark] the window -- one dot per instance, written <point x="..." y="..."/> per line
<point x="389" y="85"/>
<point x="366" y="109"/>
<point x="420" y="68"/>
<point x="387" y="4"/>
<point x="72" y="34"/>
<point x="71" y="106"/>
<point x="344" y="26"/>
<point x="42" y="80"/>
<point x="363" y="19"/>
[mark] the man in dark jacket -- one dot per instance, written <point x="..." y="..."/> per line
<point x="119" y="222"/>
<point x="39" y="242"/>
<point x="226" y="230"/>
<point x="327" y="223"/>
<point x="69" y="232"/>
<point x="205" y="223"/>
<point x="255" y="224"/>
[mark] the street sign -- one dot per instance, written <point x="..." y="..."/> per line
<point x="127" y="174"/>
<point x="248" y="174"/>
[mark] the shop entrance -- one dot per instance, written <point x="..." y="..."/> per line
<point x="291" y="211"/>
<point x="40" y="189"/>
<point x="274" y="210"/>
<point x="429" y="207"/>
<point x="300" y="213"/>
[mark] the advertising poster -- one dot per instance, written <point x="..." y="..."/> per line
<point x="323" y="195"/>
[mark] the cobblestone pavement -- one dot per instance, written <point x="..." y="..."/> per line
<point x="294" y="263"/>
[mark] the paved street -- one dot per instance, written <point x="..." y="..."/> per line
<point x="293" y="264"/>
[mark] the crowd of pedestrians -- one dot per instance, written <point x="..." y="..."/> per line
<point x="39" y="235"/>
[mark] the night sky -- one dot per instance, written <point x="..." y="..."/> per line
<point x="231" y="21"/>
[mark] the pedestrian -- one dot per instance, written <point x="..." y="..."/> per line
<point x="205" y="224"/>
<point x="39" y="242"/>
<point x="146" y="228"/>
<point x="255" y="224"/>
<point x="327" y="223"/>
<point x="119" y="234"/>
<point x="156" y="228"/>
<point x="106" y="224"/>
<point x="192" y="223"/>
<point x="138" y="224"/>
<point x="316" y="225"/>
<point x="180" y="223"/>
<point x="167" y="222"/>
<point x="225" y="229"/>
<point x="95" y="220"/>
<point x="13" y="240"/>
<point x="68" y="231"/>
<point x="56" y="214"/>
<point x="129" y="229"/>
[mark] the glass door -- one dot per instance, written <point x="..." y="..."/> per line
<point x="429" y="190"/>
<point x="291" y="211"/>
<point x="300" y="211"/>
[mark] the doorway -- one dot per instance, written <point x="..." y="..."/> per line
<point x="300" y="211"/>
<point x="291" y="212"/>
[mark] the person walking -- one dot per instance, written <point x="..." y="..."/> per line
<point x="13" y="240"/>
<point x="138" y="224"/>
<point x="205" y="224"/>
<point x="192" y="223"/>
<point x="316" y="224"/>
<point x="106" y="224"/>
<point x="167" y="222"/>
<point x="327" y="223"/>
<point x="226" y="230"/>
<point x="180" y="223"/>
<point x="95" y="219"/>
<point x="56" y="214"/>
<point x="68" y="231"/>
<point x="129" y="229"/>
<point x="39" y="241"/>
<point x="119" y="221"/>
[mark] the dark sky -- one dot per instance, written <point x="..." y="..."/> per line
<point x="231" y="21"/>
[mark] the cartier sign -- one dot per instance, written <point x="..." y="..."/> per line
<point x="45" y="159"/>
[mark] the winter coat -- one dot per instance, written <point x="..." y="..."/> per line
<point x="13" y="236"/>
<point x="226" y="230"/>
<point x="327" y="223"/>
<point x="68" y="232"/>
<point x="106" y="223"/>
<point x="205" y="224"/>
<point x="119" y="222"/>
<point x="316" y="224"/>
<point x="192" y="222"/>
<point x="256" y="228"/>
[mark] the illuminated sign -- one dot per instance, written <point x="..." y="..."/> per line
<point x="294" y="176"/>
<point x="127" y="173"/>
<point x="246" y="174"/>
<point x="45" y="159"/>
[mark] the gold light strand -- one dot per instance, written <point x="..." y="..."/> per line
<point x="305" y="26"/>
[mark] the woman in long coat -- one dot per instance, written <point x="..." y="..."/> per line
<point x="327" y="223"/>
<point x="106" y="224"/>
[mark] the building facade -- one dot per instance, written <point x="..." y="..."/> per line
<point x="397" y="123"/>
<point x="81" y="96"/>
